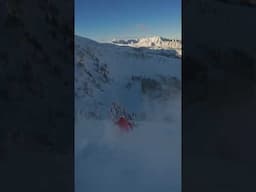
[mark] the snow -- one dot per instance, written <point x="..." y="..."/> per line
<point x="154" y="42"/>
<point x="149" y="157"/>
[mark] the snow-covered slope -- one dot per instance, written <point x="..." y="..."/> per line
<point x="104" y="71"/>
<point x="145" y="82"/>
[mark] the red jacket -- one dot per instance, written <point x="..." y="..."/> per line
<point x="124" y="124"/>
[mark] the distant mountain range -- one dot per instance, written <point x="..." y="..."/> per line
<point x="151" y="42"/>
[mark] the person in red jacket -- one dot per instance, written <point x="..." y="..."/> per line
<point x="124" y="124"/>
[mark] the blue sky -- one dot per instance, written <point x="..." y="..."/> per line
<point x="103" y="20"/>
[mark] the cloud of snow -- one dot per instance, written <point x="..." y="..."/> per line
<point x="146" y="159"/>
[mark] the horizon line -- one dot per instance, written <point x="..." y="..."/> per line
<point x="127" y="38"/>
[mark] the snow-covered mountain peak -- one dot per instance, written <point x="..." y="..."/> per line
<point x="151" y="42"/>
<point x="157" y="40"/>
<point x="154" y="39"/>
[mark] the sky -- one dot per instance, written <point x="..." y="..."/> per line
<point x="104" y="20"/>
